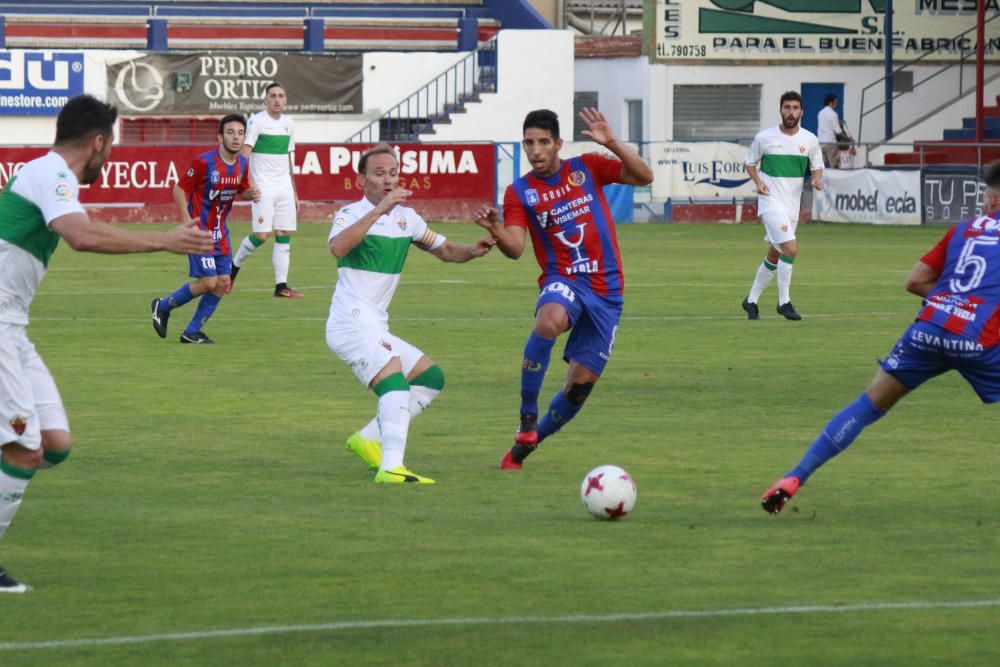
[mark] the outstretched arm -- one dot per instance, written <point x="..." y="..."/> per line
<point x="510" y="240"/>
<point x="82" y="233"/>
<point x="460" y="252"/>
<point x="635" y="171"/>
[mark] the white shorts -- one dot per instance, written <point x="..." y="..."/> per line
<point x="275" y="210"/>
<point x="29" y="400"/>
<point x="368" y="350"/>
<point x="779" y="226"/>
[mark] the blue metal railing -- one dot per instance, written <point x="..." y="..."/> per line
<point x="436" y="100"/>
<point x="926" y="109"/>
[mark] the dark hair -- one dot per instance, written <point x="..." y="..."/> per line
<point x="790" y="96"/>
<point x="543" y="119"/>
<point x="82" y="117"/>
<point x="273" y="84"/>
<point x="380" y="149"/>
<point x="829" y="98"/>
<point x="232" y="118"/>
<point x="991" y="175"/>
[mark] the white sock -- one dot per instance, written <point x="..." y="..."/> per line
<point x="244" y="251"/>
<point x="784" y="279"/>
<point x="420" y="399"/>
<point x="281" y="256"/>
<point x="393" y="422"/>
<point x="765" y="274"/>
<point x="11" y="491"/>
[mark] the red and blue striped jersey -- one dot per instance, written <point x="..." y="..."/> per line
<point x="966" y="298"/>
<point x="571" y="227"/>
<point x="211" y="185"/>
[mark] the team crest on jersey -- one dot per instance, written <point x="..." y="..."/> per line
<point x="577" y="178"/>
<point x="386" y="345"/>
<point x="401" y="221"/>
<point x="260" y="218"/>
<point x="802" y="148"/>
<point x="214" y="178"/>
<point x="784" y="228"/>
<point x="19" y="423"/>
<point x="531" y="196"/>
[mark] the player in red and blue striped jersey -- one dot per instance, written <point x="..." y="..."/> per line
<point x="205" y="194"/>
<point x="560" y="203"/>
<point x="958" y="328"/>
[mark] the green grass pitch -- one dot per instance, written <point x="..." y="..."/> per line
<point x="210" y="492"/>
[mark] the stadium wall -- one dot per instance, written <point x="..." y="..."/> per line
<point x="389" y="77"/>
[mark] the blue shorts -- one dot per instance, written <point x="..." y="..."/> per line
<point x="593" y="321"/>
<point x="926" y="351"/>
<point x="203" y="266"/>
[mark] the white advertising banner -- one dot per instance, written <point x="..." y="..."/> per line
<point x="703" y="170"/>
<point x="868" y="195"/>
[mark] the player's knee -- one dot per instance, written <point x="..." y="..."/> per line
<point x="261" y="236"/>
<point x="432" y="378"/>
<point x="21" y="457"/>
<point x="210" y="283"/>
<point x="578" y="392"/>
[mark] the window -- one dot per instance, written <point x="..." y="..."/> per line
<point x="633" y="119"/>
<point x="716" y="112"/>
<point x="581" y="100"/>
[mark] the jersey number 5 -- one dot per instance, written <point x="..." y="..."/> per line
<point x="971" y="264"/>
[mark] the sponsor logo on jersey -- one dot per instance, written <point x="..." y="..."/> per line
<point x="339" y="222"/>
<point x="577" y="178"/>
<point x="63" y="191"/>
<point x="190" y="172"/>
<point x="19" y="423"/>
<point x="531" y="195"/>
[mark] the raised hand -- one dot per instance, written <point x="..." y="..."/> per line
<point x="396" y="196"/>
<point x="600" y="130"/>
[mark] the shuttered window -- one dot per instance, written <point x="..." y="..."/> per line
<point x="580" y="100"/>
<point x="716" y="112"/>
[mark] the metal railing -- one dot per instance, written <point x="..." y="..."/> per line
<point x="926" y="111"/>
<point x="435" y="101"/>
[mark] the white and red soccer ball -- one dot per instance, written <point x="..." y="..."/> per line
<point x="608" y="492"/>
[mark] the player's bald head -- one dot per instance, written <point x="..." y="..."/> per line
<point x="991" y="177"/>
<point x="380" y="149"/>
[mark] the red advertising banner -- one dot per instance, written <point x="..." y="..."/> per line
<point x="143" y="177"/>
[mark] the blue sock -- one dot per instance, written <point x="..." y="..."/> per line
<point x="838" y="434"/>
<point x="177" y="299"/>
<point x="536" y="361"/>
<point x="209" y="302"/>
<point x="559" y="413"/>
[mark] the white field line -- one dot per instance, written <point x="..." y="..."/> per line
<point x="627" y="318"/>
<point x="327" y="289"/>
<point x="502" y="620"/>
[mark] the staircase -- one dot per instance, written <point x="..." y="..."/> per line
<point x="435" y="102"/>
<point x="957" y="146"/>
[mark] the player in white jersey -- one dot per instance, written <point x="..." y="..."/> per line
<point x="269" y="144"/>
<point x="39" y="205"/>
<point x="778" y="160"/>
<point x="370" y="239"/>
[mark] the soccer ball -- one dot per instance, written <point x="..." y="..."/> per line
<point x="608" y="492"/>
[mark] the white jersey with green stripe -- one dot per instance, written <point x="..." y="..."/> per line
<point x="43" y="190"/>
<point x="272" y="140"/>
<point x="368" y="275"/>
<point x="782" y="161"/>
